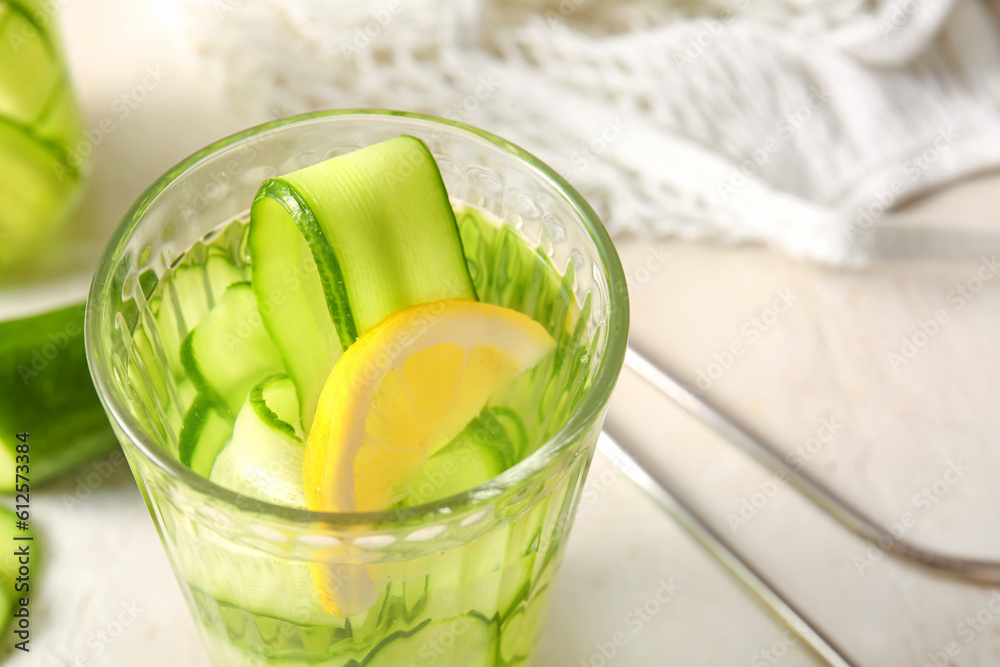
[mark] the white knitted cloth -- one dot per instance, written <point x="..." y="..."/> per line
<point x="794" y="123"/>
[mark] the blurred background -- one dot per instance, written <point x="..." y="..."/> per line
<point x="804" y="196"/>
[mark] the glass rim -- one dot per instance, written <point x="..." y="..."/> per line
<point x="524" y="470"/>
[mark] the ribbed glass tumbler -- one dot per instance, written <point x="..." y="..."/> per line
<point x="462" y="581"/>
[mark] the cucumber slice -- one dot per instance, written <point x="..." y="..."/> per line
<point x="277" y="403"/>
<point x="230" y="351"/>
<point x="35" y="189"/>
<point x="286" y="282"/>
<point x="205" y="431"/>
<point x="478" y="454"/>
<point x="469" y="641"/>
<point x="47" y="392"/>
<point x="382" y="235"/>
<point x="38" y="123"/>
<point x="61" y="122"/>
<point x="11" y="590"/>
<point x="264" y="458"/>
<point x="31" y="71"/>
<point x="257" y="587"/>
<point x="186" y="297"/>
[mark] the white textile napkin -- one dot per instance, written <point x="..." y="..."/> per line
<point x="794" y="123"/>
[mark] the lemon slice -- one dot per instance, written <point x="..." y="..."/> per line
<point x="407" y="387"/>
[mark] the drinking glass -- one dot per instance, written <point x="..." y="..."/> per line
<point x="462" y="581"/>
<point x="43" y="150"/>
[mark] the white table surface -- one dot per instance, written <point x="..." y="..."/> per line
<point x="108" y="596"/>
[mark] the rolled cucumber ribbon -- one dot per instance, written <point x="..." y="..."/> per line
<point x="42" y="146"/>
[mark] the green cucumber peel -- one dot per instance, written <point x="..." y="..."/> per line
<point x="204" y="433"/>
<point x="26" y="14"/>
<point x="381" y="234"/>
<point x="330" y="275"/>
<point x="230" y="351"/>
<point x="264" y="412"/>
<point x="56" y="151"/>
<point x="206" y="392"/>
<point x="48" y="393"/>
<point x="263" y="458"/>
<point x="483" y="450"/>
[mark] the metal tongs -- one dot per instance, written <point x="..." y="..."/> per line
<point x="897" y="238"/>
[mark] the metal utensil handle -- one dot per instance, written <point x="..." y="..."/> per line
<point x="841" y="509"/>
<point x="712" y="542"/>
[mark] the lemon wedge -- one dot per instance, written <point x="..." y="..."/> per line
<point x="406" y="388"/>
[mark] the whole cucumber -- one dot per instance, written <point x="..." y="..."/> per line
<point x="46" y="392"/>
